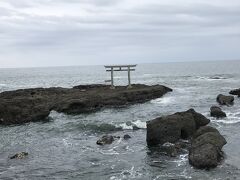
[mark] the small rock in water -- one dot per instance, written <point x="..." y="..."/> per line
<point x="126" y="136"/>
<point x="106" y="139"/>
<point x="235" y="92"/>
<point x="217" y="112"/>
<point x="20" y="155"/>
<point x="225" y="100"/>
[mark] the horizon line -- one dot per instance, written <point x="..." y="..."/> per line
<point x="79" y="65"/>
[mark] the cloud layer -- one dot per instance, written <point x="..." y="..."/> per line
<point x="77" y="32"/>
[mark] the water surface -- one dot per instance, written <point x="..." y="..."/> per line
<point x="65" y="147"/>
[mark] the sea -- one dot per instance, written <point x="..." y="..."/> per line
<point x="65" y="146"/>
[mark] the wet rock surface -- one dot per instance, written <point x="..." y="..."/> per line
<point x="206" y="148"/>
<point x="187" y="130"/>
<point x="235" y="92"/>
<point x="225" y="100"/>
<point x="27" y="105"/>
<point x="106" y="139"/>
<point x="181" y="125"/>
<point x="217" y="112"/>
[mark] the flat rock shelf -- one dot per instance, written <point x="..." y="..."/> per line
<point x="29" y="105"/>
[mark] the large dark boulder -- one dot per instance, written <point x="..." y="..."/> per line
<point x="235" y="92"/>
<point x="206" y="146"/>
<point x="180" y="125"/>
<point x="217" y="112"/>
<point x="225" y="100"/>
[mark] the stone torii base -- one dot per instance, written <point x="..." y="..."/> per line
<point x="128" y="68"/>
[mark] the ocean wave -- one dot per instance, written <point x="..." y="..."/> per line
<point x="133" y="125"/>
<point x="215" y="77"/>
<point x="183" y="159"/>
<point x="164" y="100"/>
<point x="131" y="173"/>
<point x="232" y="118"/>
<point x="104" y="127"/>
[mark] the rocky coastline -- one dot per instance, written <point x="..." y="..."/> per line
<point x="29" y="105"/>
<point x="172" y="134"/>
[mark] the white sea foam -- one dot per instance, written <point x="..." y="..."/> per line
<point x="109" y="152"/>
<point x="140" y="124"/>
<point x="131" y="173"/>
<point x="213" y="77"/>
<point x="163" y="100"/>
<point x="231" y="118"/>
<point x="129" y="126"/>
<point x="126" y="127"/>
<point x="182" y="160"/>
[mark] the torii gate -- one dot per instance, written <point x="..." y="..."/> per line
<point x="128" y="68"/>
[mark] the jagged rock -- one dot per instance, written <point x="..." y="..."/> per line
<point x="181" y="125"/>
<point x="27" y="105"/>
<point x="106" y="139"/>
<point x="225" y="100"/>
<point x="126" y="136"/>
<point x="205" y="151"/>
<point x="217" y="112"/>
<point x="19" y="155"/>
<point x="235" y="92"/>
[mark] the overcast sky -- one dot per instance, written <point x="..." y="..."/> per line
<point x="80" y="32"/>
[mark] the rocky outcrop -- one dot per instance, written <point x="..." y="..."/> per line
<point x="206" y="146"/>
<point x="225" y="100"/>
<point x="181" y="125"/>
<point x="27" y="105"/>
<point x="217" y="112"/>
<point x="235" y="92"/>
<point x="204" y="143"/>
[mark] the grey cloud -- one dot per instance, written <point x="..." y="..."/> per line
<point x="149" y="32"/>
<point x="32" y="3"/>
